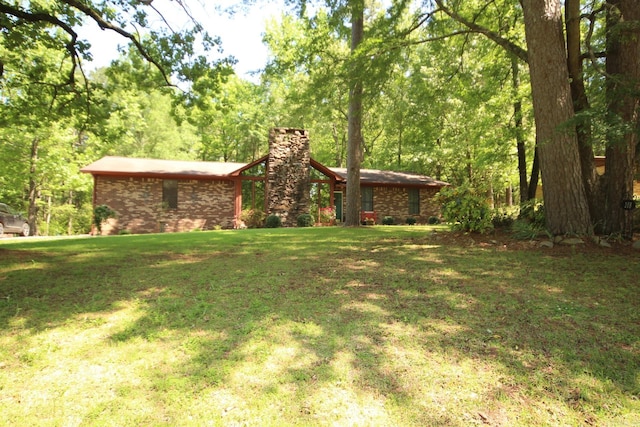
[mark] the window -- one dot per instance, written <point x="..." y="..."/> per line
<point x="170" y="194"/>
<point x="414" y="201"/>
<point x="366" y="194"/>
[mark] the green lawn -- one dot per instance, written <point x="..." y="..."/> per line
<point x="373" y="326"/>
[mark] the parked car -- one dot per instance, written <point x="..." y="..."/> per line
<point x="12" y="222"/>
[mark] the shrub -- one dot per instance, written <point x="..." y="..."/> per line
<point x="525" y="230"/>
<point x="273" y="221"/>
<point x="388" y="220"/>
<point x="327" y="215"/>
<point x="410" y="220"/>
<point x="433" y="220"/>
<point x="531" y="221"/>
<point x="252" y="218"/>
<point x="636" y="214"/>
<point x="502" y="218"/>
<point x="465" y="209"/>
<point x="305" y="220"/>
<point x="101" y="214"/>
<point x="532" y="211"/>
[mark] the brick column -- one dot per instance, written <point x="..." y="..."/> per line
<point x="288" y="180"/>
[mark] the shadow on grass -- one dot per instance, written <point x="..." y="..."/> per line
<point x="356" y="321"/>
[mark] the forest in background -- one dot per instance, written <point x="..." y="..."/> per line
<point x="446" y="93"/>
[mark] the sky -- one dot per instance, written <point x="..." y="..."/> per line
<point x="241" y="33"/>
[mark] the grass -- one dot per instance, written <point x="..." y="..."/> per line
<point x="375" y="326"/>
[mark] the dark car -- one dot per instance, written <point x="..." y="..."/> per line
<point x="12" y="221"/>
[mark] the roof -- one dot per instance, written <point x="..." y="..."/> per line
<point x="111" y="165"/>
<point x="125" y="166"/>
<point x="390" y="178"/>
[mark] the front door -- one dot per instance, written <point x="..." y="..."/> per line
<point x="337" y="199"/>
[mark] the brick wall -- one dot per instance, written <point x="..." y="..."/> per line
<point x="202" y="204"/>
<point x="394" y="201"/>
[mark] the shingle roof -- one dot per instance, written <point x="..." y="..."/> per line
<point x="372" y="176"/>
<point x="111" y="165"/>
<point x="118" y="166"/>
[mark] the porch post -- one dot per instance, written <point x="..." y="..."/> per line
<point x="237" y="202"/>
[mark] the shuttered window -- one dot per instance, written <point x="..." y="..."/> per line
<point x="414" y="201"/>
<point x="170" y="193"/>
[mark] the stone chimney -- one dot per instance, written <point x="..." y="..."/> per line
<point x="288" y="182"/>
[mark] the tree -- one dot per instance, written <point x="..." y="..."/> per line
<point x="600" y="122"/>
<point x="354" y="141"/>
<point x="174" y="54"/>
<point x="35" y="124"/>
<point x="48" y="108"/>
<point x="623" y="101"/>
<point x="564" y="194"/>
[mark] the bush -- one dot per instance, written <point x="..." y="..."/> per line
<point x="101" y="214"/>
<point x="327" y="215"/>
<point x="525" y="230"/>
<point x="531" y="221"/>
<point x="503" y="218"/>
<point x="252" y="218"/>
<point x="410" y="220"/>
<point x="433" y="220"/>
<point x="273" y="221"/>
<point x="636" y="214"/>
<point x="465" y="209"/>
<point x="532" y="211"/>
<point x="388" y="220"/>
<point x="305" y="220"/>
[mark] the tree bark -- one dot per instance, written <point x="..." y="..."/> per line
<point x="354" y="143"/>
<point x="32" y="216"/>
<point x="535" y="174"/>
<point x="565" y="199"/>
<point x="623" y="86"/>
<point x="520" y="141"/>
<point x="581" y="103"/>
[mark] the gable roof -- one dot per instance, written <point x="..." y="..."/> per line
<point x="390" y="178"/>
<point x="126" y="166"/>
<point x="119" y="166"/>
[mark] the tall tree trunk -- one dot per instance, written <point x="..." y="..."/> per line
<point x="70" y="222"/>
<point x="354" y="143"/>
<point x="339" y="144"/>
<point x="535" y="174"/>
<point x="565" y="199"/>
<point x="623" y="87"/>
<point x="520" y="141"/>
<point x="32" y="216"/>
<point x="590" y="178"/>
<point x="400" y="137"/>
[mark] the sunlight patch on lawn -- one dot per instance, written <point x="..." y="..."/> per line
<point x="74" y="371"/>
<point x="362" y="264"/>
<point x="276" y="356"/>
<point x="338" y="405"/>
<point x="365" y="307"/>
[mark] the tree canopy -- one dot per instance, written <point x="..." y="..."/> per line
<point x="461" y="91"/>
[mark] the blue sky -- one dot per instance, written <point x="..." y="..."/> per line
<point x="241" y="33"/>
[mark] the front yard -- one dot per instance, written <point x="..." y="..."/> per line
<point x="374" y="326"/>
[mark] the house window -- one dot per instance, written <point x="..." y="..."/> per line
<point x="414" y="201"/>
<point x="366" y="194"/>
<point x="170" y="193"/>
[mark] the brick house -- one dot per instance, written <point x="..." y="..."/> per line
<point x="152" y="196"/>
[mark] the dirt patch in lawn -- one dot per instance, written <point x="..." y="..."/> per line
<point x="503" y="240"/>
